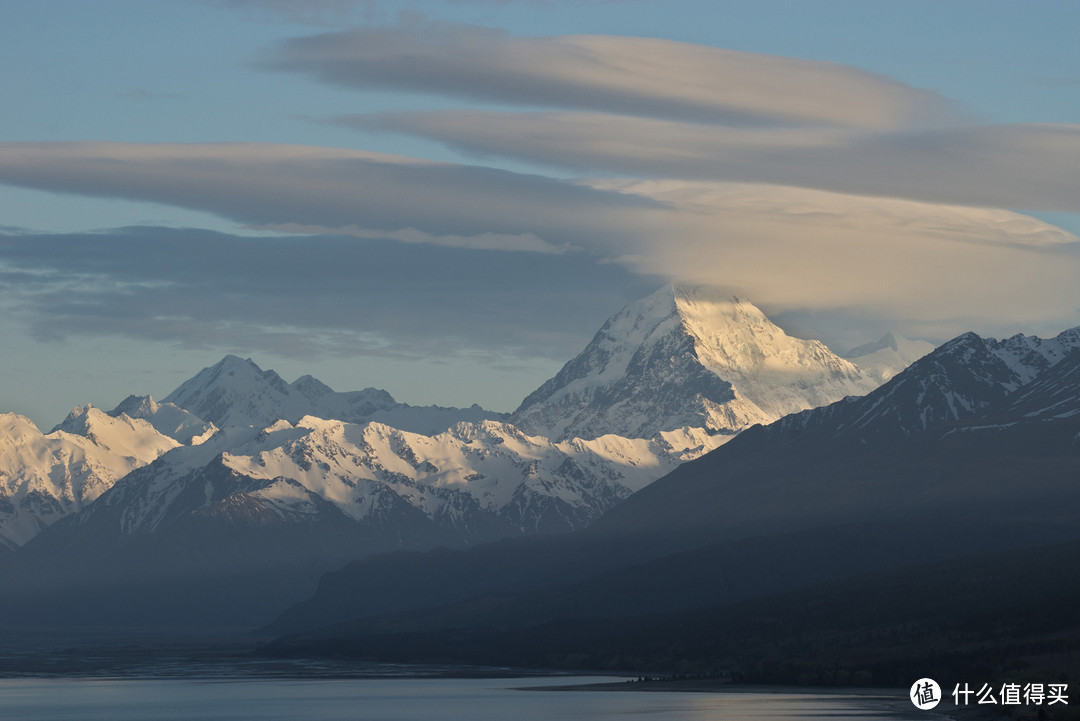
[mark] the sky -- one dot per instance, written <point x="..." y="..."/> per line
<point x="447" y="198"/>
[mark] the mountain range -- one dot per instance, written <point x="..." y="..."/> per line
<point x="670" y="372"/>
<point x="44" y="477"/>
<point x="236" y="392"/>
<point x="237" y="469"/>
<point x="938" y="499"/>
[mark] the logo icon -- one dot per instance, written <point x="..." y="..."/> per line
<point x="925" y="694"/>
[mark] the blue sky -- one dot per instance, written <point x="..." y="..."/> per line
<point x="446" y="198"/>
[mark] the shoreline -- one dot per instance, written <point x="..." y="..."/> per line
<point x="224" y="662"/>
<point x="895" y="699"/>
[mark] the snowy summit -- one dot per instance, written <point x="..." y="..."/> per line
<point x="687" y="357"/>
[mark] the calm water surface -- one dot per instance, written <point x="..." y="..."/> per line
<point x="410" y="700"/>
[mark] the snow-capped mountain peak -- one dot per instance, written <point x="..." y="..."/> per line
<point x="955" y="382"/>
<point x="687" y="357"/>
<point x="171" y="420"/>
<point x="312" y="388"/>
<point x="483" y="478"/>
<point x="735" y="340"/>
<point x="1028" y="355"/>
<point x="136" y="407"/>
<point x="886" y="357"/>
<point x="237" y="392"/>
<point x="44" y="477"/>
<point x="121" y="435"/>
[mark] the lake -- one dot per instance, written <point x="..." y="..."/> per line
<point x="416" y="699"/>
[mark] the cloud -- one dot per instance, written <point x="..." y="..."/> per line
<point x="308" y="296"/>
<point x="942" y="269"/>
<point x="264" y="184"/>
<point x="621" y="75"/>
<point x="1033" y="166"/>
<point x="787" y="248"/>
<point x="526" y="242"/>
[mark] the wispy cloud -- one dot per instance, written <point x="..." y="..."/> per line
<point x="788" y="248"/>
<point x="264" y="184"/>
<point x="524" y="242"/>
<point x="1033" y="166"/>
<point x="661" y="109"/>
<point x="307" y="296"/>
<point x="950" y="268"/>
<point x="622" y="75"/>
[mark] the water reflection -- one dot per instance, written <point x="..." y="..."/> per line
<point x="408" y="700"/>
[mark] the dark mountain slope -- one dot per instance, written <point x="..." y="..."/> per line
<point x="883" y="455"/>
<point x="923" y="468"/>
<point x="1002" y="615"/>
